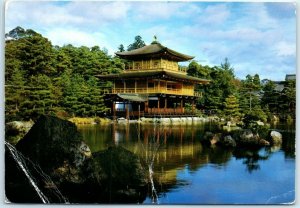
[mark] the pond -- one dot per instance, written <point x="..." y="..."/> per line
<point x="187" y="172"/>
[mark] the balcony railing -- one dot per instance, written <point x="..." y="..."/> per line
<point x="178" y="70"/>
<point x="187" y="92"/>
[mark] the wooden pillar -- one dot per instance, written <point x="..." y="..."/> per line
<point x="147" y="85"/>
<point x="158" y="85"/>
<point x="181" y="105"/>
<point x="158" y="105"/>
<point x="165" y="107"/>
<point x="146" y="107"/>
<point x="135" y="86"/>
<point x="124" y="87"/>
<point x="193" y="106"/>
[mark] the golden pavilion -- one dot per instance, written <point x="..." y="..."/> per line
<point x="153" y="84"/>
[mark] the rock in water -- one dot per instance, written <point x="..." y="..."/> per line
<point x="228" y="141"/>
<point x="210" y="138"/>
<point x="245" y="137"/>
<point x="117" y="175"/>
<point x="55" y="144"/>
<point x="276" y="138"/>
<point x="15" y="130"/>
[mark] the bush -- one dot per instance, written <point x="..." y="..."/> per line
<point x="251" y="121"/>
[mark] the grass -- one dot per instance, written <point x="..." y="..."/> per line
<point x="95" y="120"/>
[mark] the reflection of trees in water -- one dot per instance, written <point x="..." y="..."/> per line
<point x="288" y="144"/>
<point x="288" y="138"/>
<point x="179" y="149"/>
<point x="251" y="157"/>
<point x="171" y="149"/>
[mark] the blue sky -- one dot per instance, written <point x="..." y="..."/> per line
<point x="255" y="37"/>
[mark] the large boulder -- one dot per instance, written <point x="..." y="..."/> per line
<point x="55" y="145"/>
<point x="227" y="141"/>
<point x="16" y="130"/>
<point x="276" y="138"/>
<point x="210" y="138"/>
<point x="63" y="167"/>
<point x="117" y="176"/>
<point x="246" y="137"/>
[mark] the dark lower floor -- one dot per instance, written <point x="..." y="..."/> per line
<point x="151" y="106"/>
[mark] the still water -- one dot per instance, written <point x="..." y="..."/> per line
<point x="187" y="172"/>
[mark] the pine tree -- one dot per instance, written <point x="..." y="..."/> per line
<point x="138" y="43"/>
<point x="231" y="108"/>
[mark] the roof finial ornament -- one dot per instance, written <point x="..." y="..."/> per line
<point x="155" y="41"/>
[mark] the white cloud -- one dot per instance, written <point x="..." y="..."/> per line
<point x="150" y="11"/>
<point x="77" y="38"/>
<point x="45" y="14"/>
<point x="159" y="10"/>
<point x="63" y="36"/>
<point x="247" y="33"/>
<point x="285" y="49"/>
<point x="215" y="14"/>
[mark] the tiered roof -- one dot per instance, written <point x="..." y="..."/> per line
<point x="154" y="74"/>
<point x="154" y="50"/>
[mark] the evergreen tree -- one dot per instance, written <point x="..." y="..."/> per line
<point x="138" y="43"/>
<point x="14" y="94"/>
<point x="121" y="48"/>
<point x="37" y="55"/>
<point x="270" y="98"/>
<point x="221" y="86"/>
<point x="288" y="98"/>
<point x="231" y="106"/>
<point x="250" y="93"/>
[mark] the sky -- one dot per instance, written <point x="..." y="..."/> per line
<point x="257" y="38"/>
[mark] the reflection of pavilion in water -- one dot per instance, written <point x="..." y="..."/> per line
<point x="179" y="147"/>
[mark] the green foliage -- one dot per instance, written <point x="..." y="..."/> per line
<point x="288" y="97"/>
<point x="282" y="102"/>
<point x="121" y="48"/>
<point x="45" y="79"/>
<point x="250" y="93"/>
<point x="231" y="106"/>
<point x="197" y="70"/>
<point x="138" y="43"/>
<point x="252" y="118"/>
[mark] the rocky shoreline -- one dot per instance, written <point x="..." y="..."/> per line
<point x="241" y="137"/>
<point x="54" y="149"/>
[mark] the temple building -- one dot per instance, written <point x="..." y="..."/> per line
<point x="153" y="84"/>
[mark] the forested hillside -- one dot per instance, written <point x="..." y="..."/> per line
<point x="44" y="79"/>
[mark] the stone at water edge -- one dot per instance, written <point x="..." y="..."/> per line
<point x="247" y="137"/>
<point x="210" y="138"/>
<point x="116" y="173"/>
<point x="54" y="143"/>
<point x="263" y="142"/>
<point x="276" y="137"/>
<point x="15" y="130"/>
<point x="260" y="123"/>
<point x="227" y="141"/>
